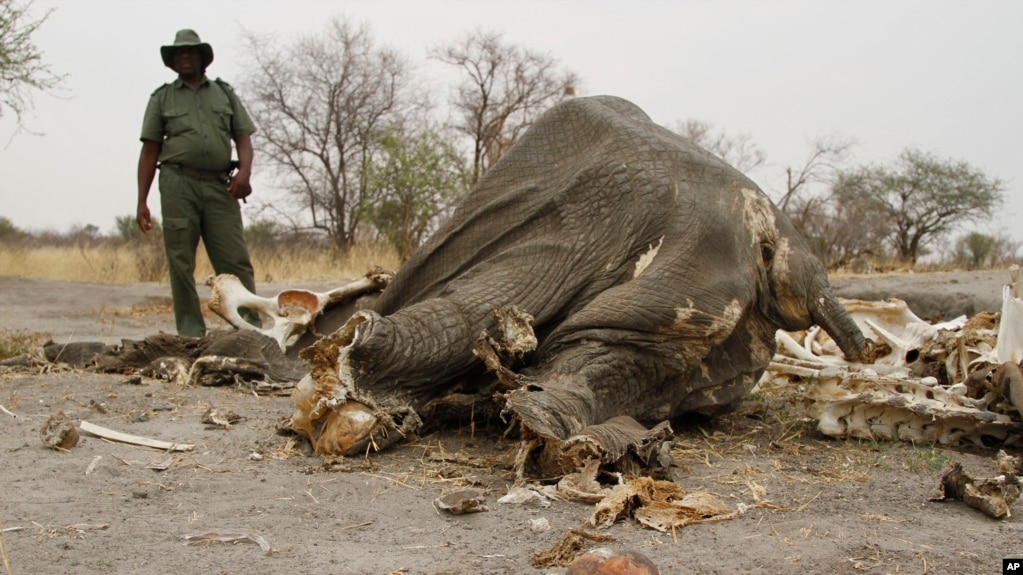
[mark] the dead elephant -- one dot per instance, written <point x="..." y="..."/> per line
<point x="604" y="271"/>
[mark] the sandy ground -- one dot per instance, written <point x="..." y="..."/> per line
<point x="826" y="506"/>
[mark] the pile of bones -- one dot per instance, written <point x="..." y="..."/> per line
<point x="952" y="383"/>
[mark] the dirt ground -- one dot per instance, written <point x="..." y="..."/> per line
<point x="812" y="504"/>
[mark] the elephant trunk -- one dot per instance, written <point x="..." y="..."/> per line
<point x="827" y="312"/>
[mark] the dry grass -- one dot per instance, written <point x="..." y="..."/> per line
<point x="15" y="343"/>
<point x="100" y="264"/>
<point x="320" y="264"/>
<point x="145" y="263"/>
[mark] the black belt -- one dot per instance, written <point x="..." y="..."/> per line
<point x="201" y="175"/>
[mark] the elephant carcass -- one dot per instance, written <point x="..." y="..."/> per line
<point x="651" y="275"/>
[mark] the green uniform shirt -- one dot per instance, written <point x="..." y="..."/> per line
<point x="196" y="126"/>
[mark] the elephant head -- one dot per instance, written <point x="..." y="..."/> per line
<point x="651" y="276"/>
<point x="799" y="293"/>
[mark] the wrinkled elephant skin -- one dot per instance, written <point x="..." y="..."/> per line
<point x="651" y="277"/>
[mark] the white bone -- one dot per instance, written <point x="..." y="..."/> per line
<point x="1010" y="329"/>
<point x="291" y="311"/>
<point x="883" y="400"/>
<point x="788" y="346"/>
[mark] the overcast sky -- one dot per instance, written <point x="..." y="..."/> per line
<point x="943" y="76"/>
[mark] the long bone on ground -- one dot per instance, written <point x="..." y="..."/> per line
<point x="292" y="311"/>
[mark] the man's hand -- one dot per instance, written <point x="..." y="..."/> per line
<point x="148" y="157"/>
<point x="144" y="220"/>
<point x="239" y="187"/>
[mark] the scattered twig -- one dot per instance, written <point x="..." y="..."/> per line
<point x="83" y="527"/>
<point x="162" y="464"/>
<point x="127" y="462"/>
<point x="3" y="547"/>
<point x="437" y="546"/>
<point x="112" y="435"/>
<point x="355" y="526"/>
<point x="811" y="500"/>
<point x="570" y="546"/>
<point x="392" y="480"/>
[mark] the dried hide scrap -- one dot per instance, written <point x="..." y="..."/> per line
<point x="571" y="545"/>
<point x="246" y="358"/>
<point x="59" y="432"/>
<point x="461" y="501"/>
<point x="220" y="417"/>
<point x="993" y="497"/>
<point x="658" y="504"/>
<point x="581" y="485"/>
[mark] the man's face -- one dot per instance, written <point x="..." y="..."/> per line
<point x="187" y="61"/>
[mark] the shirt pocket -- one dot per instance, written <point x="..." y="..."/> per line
<point x="176" y="122"/>
<point x="224" y="116"/>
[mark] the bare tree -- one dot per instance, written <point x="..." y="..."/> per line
<point x="1005" y="251"/>
<point x="739" y="151"/>
<point x="840" y="234"/>
<point x="827" y="153"/>
<point x="921" y="198"/>
<point x="806" y="199"/>
<point x="323" y="104"/>
<point x="504" y="88"/>
<point x="22" y="70"/>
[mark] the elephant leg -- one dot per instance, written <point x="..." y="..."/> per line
<point x="584" y="407"/>
<point x="370" y="379"/>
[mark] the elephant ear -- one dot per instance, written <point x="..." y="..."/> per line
<point x="688" y="297"/>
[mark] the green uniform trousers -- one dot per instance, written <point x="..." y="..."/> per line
<point x="194" y="209"/>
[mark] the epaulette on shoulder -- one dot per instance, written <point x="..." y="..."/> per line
<point x="224" y="84"/>
<point x="158" y="89"/>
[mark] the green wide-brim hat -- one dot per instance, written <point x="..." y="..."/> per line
<point x="184" y="39"/>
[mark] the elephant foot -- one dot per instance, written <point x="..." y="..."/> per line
<point x="346" y="429"/>
<point x="339" y="424"/>
<point x="333" y="425"/>
<point x="620" y="444"/>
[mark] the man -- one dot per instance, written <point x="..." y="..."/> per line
<point x="186" y="133"/>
